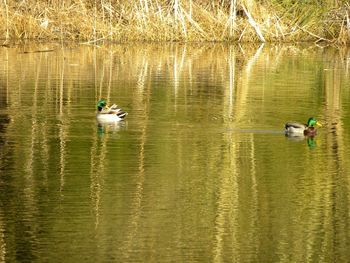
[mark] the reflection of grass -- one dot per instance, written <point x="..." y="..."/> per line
<point x="177" y="20"/>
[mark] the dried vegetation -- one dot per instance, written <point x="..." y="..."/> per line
<point x="177" y="20"/>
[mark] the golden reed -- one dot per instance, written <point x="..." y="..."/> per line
<point x="176" y="20"/>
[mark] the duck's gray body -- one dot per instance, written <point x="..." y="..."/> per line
<point x="295" y="128"/>
<point x="299" y="129"/>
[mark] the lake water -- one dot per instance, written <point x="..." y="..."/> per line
<point x="200" y="170"/>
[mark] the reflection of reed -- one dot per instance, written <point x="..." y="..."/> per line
<point x="252" y="236"/>
<point x="228" y="204"/>
<point x="178" y="67"/>
<point x="243" y="86"/>
<point x="231" y="207"/>
<point x="2" y="224"/>
<point x="98" y="157"/>
<point x="140" y="66"/>
<point x="63" y="126"/>
<point x="337" y="208"/>
<point x="229" y="91"/>
<point x="62" y="135"/>
<point x="320" y="220"/>
<point x="100" y="93"/>
<point x="227" y="211"/>
<point x="34" y="140"/>
<point x="61" y="86"/>
<point x="110" y="75"/>
<point x="7" y="77"/>
<point x="29" y="197"/>
<point x="42" y="131"/>
<point x="2" y="238"/>
<point x="98" y="154"/>
<point x="138" y="196"/>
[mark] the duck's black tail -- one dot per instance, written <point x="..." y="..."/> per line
<point x="122" y="114"/>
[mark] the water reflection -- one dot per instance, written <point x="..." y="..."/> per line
<point x="310" y="140"/>
<point x="114" y="127"/>
<point x="201" y="161"/>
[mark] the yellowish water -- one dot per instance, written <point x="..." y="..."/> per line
<point x="200" y="171"/>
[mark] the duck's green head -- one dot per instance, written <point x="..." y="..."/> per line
<point x="101" y="103"/>
<point x="312" y="122"/>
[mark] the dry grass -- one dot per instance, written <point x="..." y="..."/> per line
<point x="175" y="20"/>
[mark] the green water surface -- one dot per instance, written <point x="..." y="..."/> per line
<point x="199" y="171"/>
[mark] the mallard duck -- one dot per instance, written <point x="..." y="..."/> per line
<point x="109" y="114"/>
<point x="298" y="129"/>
